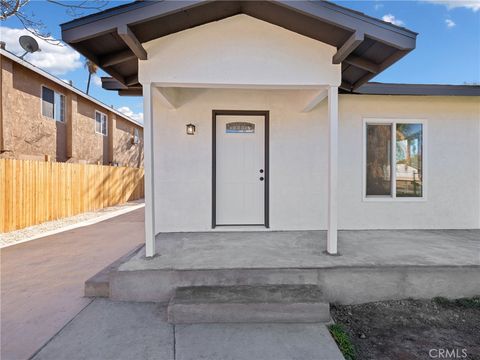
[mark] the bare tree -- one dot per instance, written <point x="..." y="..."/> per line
<point x="92" y="69"/>
<point x="15" y="8"/>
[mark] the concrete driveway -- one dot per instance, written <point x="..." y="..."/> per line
<point x="42" y="281"/>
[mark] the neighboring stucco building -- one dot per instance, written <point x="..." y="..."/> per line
<point x="260" y="116"/>
<point x="41" y="115"/>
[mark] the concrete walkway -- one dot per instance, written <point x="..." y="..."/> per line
<point x="43" y="280"/>
<point x="107" y="330"/>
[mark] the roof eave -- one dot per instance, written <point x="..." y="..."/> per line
<point x="375" y="88"/>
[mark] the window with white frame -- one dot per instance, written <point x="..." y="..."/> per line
<point x="53" y="104"/>
<point x="100" y="123"/>
<point x="400" y="143"/>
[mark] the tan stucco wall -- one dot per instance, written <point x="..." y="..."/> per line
<point x="26" y="134"/>
<point x="94" y="146"/>
<point x="125" y="152"/>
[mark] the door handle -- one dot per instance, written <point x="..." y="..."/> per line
<point x="261" y="178"/>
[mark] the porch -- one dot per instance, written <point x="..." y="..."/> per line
<point x="372" y="266"/>
<point x="304" y="249"/>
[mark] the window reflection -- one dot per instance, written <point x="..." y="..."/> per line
<point x="409" y="161"/>
<point x="378" y="159"/>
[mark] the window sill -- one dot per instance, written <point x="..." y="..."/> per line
<point x="44" y="117"/>
<point x="392" y="199"/>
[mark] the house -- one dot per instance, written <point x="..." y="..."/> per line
<point x="267" y="151"/>
<point x="259" y="115"/>
<point x="43" y="116"/>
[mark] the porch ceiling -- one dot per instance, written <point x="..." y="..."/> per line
<point x="113" y="38"/>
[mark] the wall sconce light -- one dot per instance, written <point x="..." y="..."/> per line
<point x="190" y="129"/>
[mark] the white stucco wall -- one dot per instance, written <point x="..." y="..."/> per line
<point x="243" y="52"/>
<point x="452" y="163"/>
<point x="298" y="160"/>
<point x="240" y="51"/>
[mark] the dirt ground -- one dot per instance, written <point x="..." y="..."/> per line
<point x="413" y="329"/>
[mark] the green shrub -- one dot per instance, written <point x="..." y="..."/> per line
<point x="343" y="341"/>
<point x="440" y="300"/>
<point x="471" y="303"/>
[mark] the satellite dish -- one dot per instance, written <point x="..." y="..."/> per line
<point x="29" y="44"/>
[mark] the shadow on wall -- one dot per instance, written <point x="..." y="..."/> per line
<point x="118" y="185"/>
<point x="93" y="148"/>
<point x="129" y="154"/>
<point x="86" y="110"/>
<point x="105" y="149"/>
<point x="61" y="149"/>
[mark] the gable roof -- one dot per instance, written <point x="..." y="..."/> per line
<point x="112" y="38"/>
<point x="65" y="85"/>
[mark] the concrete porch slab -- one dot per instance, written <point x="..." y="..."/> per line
<point x="373" y="266"/>
<point x="255" y="341"/>
<point x="304" y="249"/>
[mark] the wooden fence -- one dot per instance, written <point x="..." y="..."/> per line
<point x="32" y="192"/>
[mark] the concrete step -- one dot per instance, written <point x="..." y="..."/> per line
<point x="248" y="304"/>
<point x="99" y="284"/>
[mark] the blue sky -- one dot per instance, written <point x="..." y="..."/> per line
<point x="448" y="44"/>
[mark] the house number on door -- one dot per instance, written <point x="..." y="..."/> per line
<point x="240" y="127"/>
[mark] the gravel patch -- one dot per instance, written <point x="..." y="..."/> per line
<point x="36" y="231"/>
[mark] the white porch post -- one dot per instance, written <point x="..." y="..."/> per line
<point x="332" y="169"/>
<point x="149" y="164"/>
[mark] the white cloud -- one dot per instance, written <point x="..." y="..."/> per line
<point x="378" y="6"/>
<point x="452" y="4"/>
<point x="127" y="111"/>
<point x="392" y="19"/>
<point x="56" y="59"/>
<point x="450" y="23"/>
<point x="97" y="80"/>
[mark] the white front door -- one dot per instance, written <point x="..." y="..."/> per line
<point x="240" y="170"/>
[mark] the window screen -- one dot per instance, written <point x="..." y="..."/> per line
<point x="59" y="107"/>
<point x="100" y="123"/>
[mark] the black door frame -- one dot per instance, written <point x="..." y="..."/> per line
<point x="266" y="205"/>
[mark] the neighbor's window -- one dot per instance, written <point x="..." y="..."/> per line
<point x="53" y="104"/>
<point x="100" y="123"/>
<point x="136" y="137"/>
<point x="398" y="143"/>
